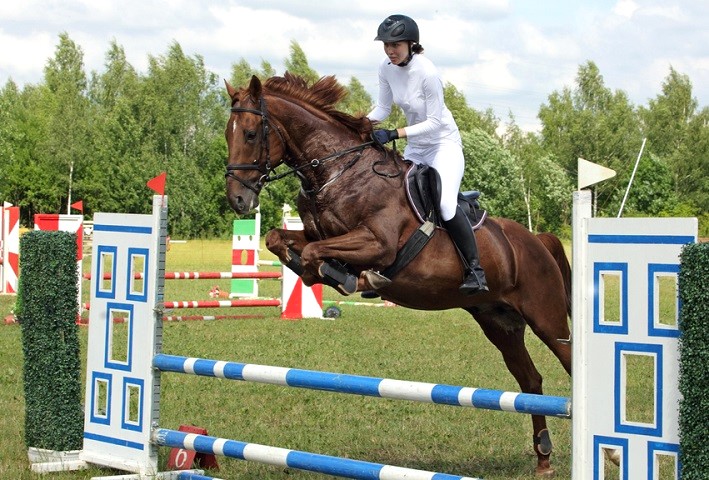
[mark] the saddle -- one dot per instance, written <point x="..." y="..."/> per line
<point x="423" y="187"/>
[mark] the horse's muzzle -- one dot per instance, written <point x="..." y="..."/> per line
<point x="242" y="204"/>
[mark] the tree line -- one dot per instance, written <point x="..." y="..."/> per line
<point x="98" y="137"/>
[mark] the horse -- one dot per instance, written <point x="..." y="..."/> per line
<point x="356" y="214"/>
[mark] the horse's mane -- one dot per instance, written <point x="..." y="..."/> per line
<point x="323" y="95"/>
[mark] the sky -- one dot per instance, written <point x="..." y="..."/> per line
<point x="504" y="55"/>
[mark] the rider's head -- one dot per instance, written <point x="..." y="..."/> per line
<point x="400" y="35"/>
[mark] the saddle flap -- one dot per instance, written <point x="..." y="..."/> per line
<point x="423" y="187"/>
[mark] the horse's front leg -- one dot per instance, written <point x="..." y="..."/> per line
<point x="287" y="245"/>
<point x="360" y="247"/>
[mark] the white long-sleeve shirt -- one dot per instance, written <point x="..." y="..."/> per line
<point x="418" y="90"/>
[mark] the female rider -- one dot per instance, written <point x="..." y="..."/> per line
<point x="411" y="81"/>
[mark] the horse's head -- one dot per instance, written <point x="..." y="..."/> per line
<point x="300" y="127"/>
<point x="256" y="146"/>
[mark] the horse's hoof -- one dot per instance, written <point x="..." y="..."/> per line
<point x="546" y="472"/>
<point x="370" y="294"/>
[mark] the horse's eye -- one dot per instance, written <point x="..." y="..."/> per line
<point x="250" y="135"/>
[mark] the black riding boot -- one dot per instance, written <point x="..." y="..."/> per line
<point x="462" y="235"/>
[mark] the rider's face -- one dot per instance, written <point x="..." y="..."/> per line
<point x="396" y="51"/>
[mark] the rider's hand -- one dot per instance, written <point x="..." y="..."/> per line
<point x="384" y="136"/>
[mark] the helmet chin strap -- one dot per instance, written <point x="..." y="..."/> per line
<point x="408" y="59"/>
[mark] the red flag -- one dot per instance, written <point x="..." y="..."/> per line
<point x="158" y="183"/>
<point x="78" y="206"/>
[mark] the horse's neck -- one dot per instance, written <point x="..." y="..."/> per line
<point x="316" y="141"/>
<point x="310" y="132"/>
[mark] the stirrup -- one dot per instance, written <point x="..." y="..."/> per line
<point x="472" y="284"/>
<point x="466" y="289"/>
<point x="369" y="294"/>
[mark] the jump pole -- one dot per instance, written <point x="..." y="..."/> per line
<point x="205" y="275"/>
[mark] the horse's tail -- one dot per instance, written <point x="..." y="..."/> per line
<point x="553" y="244"/>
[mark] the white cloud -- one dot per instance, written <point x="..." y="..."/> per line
<point x="625" y="8"/>
<point x="24" y="57"/>
<point x="537" y="43"/>
<point x="670" y="12"/>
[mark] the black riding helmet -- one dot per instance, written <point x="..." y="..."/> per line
<point x="398" y="28"/>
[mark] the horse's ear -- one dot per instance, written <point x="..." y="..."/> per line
<point x="229" y="89"/>
<point x="255" y="87"/>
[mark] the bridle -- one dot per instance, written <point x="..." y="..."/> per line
<point x="267" y="168"/>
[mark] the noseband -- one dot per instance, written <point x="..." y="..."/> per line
<point x="266" y="168"/>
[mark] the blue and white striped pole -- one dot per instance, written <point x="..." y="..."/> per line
<point x="370" y="386"/>
<point x="282" y="457"/>
<point x="188" y="475"/>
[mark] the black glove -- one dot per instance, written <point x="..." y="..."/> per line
<point x="384" y="136"/>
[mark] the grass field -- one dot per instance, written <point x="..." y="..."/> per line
<point x="439" y="347"/>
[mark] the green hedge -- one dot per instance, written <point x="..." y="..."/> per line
<point x="47" y="310"/>
<point x="694" y="361"/>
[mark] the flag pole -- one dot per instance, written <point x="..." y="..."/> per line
<point x="632" y="176"/>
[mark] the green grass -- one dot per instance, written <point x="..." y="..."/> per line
<point x="439" y="347"/>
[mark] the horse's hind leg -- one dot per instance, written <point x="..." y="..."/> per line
<point x="507" y="334"/>
<point x="552" y="327"/>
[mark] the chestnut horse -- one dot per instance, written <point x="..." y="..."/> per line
<point x="355" y="210"/>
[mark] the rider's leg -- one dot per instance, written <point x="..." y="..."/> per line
<point x="462" y="235"/>
<point x="449" y="162"/>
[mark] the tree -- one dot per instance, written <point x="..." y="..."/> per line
<point x="651" y="192"/>
<point x="492" y="170"/>
<point x="241" y="73"/>
<point x="65" y="145"/>
<point x="694" y="187"/>
<point x="667" y="116"/>
<point x="466" y="117"/>
<point x="117" y="139"/>
<point x="9" y="137"/>
<point x="546" y="186"/>
<point x="358" y="101"/>
<point x="594" y="123"/>
<point x="24" y="180"/>
<point x="184" y="113"/>
<point x="267" y="70"/>
<point x="679" y="136"/>
<point x="297" y="64"/>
